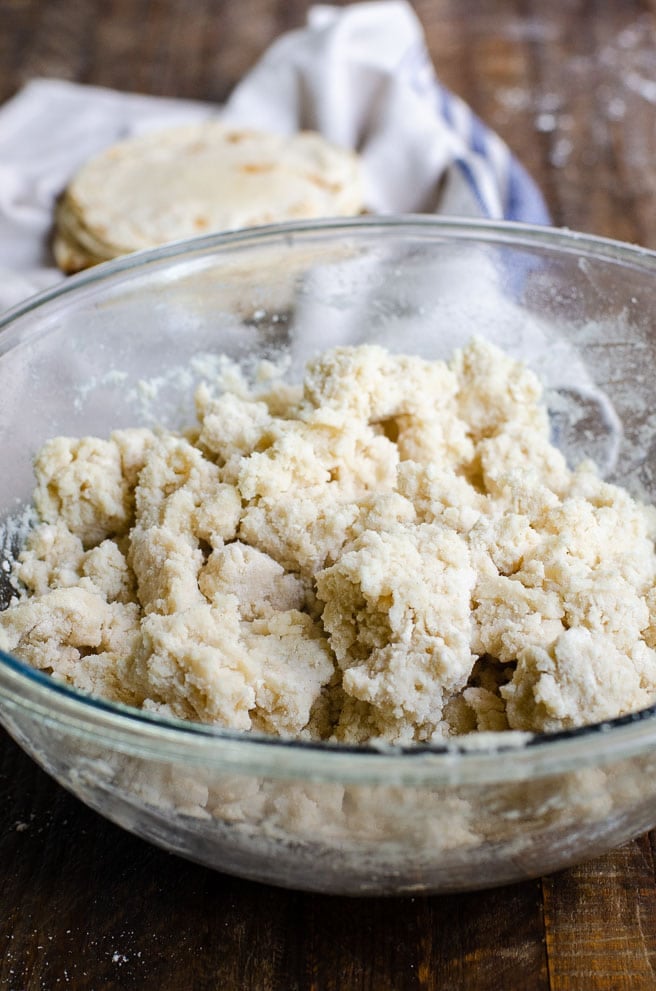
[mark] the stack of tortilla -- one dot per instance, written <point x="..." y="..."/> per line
<point x="199" y="178"/>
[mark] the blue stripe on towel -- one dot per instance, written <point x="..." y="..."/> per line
<point x="520" y="197"/>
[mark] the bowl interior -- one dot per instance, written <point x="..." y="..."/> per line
<point x="127" y="343"/>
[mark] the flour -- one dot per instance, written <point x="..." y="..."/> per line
<point x="392" y="550"/>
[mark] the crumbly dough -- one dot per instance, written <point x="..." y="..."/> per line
<point x="393" y="549"/>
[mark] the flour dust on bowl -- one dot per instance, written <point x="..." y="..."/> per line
<point x="129" y="343"/>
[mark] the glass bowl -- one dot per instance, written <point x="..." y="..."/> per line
<point x="125" y="343"/>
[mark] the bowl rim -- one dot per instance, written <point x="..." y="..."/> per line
<point x="513" y="232"/>
<point x="492" y="757"/>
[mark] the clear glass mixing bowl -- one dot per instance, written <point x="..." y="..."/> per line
<point x="125" y="344"/>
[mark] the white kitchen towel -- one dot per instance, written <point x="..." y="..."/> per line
<point x="360" y="75"/>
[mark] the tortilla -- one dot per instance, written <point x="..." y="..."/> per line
<point x="199" y="178"/>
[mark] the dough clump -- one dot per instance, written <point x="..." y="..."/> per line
<point x="392" y="550"/>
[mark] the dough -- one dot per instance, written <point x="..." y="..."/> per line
<point x="392" y="550"/>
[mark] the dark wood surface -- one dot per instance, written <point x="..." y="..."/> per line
<point x="571" y="85"/>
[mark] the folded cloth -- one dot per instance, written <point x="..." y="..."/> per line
<point x="360" y="75"/>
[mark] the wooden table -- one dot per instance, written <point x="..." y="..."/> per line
<point x="572" y="87"/>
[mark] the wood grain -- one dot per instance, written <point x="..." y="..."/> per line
<point x="572" y="87"/>
<point x="600" y="921"/>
